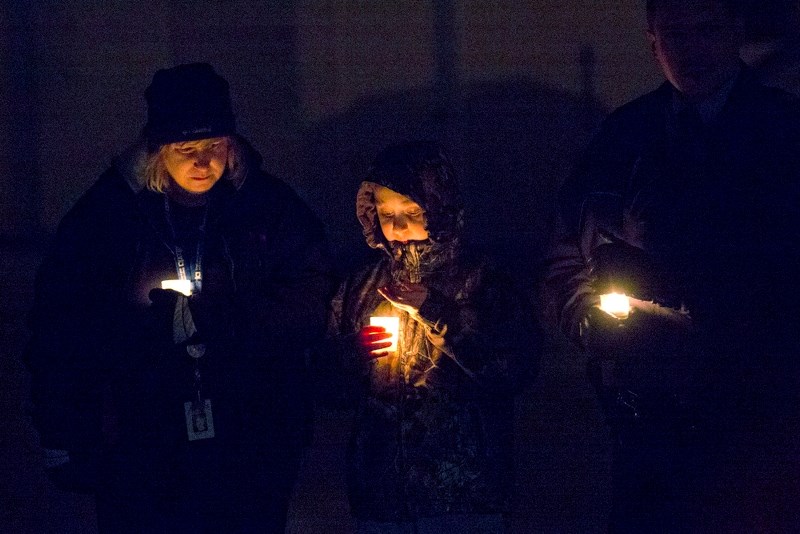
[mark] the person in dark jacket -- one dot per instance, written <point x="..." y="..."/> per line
<point x="431" y="450"/>
<point x="686" y="202"/>
<point x="181" y="410"/>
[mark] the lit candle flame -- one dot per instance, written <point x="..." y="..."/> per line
<point x="181" y="286"/>
<point x="392" y="325"/>
<point x="616" y="304"/>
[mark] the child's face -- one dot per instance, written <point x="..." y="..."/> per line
<point x="401" y="218"/>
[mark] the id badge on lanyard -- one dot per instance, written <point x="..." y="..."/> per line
<point x="180" y="260"/>
<point x="197" y="412"/>
<point x="199" y="417"/>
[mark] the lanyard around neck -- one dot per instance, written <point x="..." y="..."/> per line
<point x="180" y="261"/>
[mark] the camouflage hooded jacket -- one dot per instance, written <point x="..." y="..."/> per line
<point x="433" y="430"/>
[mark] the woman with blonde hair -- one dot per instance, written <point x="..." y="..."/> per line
<point x="170" y="325"/>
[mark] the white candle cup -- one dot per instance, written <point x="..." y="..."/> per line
<point x="616" y="304"/>
<point x="181" y="286"/>
<point x="392" y="325"/>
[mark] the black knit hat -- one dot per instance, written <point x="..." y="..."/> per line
<point x="186" y="103"/>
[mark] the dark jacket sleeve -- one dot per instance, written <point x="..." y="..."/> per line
<point x="568" y="278"/>
<point x="286" y="305"/>
<point x="601" y="172"/>
<point x="338" y="374"/>
<point x="71" y="323"/>
<point x="56" y="350"/>
<point x="568" y="287"/>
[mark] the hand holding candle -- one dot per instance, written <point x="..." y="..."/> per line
<point x="616" y="304"/>
<point x="380" y="337"/>
<point x="181" y="286"/>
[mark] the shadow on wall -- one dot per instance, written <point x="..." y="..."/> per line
<point x="512" y="143"/>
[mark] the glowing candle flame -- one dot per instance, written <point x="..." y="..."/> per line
<point x="392" y="325"/>
<point x="616" y="304"/>
<point x="181" y="286"/>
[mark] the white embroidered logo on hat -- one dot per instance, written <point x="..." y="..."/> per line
<point x="206" y="129"/>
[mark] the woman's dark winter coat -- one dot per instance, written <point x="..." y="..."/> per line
<point x="109" y="384"/>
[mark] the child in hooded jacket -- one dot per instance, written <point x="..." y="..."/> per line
<point x="432" y="445"/>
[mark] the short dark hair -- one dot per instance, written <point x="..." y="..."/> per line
<point x="734" y="7"/>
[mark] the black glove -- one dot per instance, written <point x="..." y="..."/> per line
<point x="623" y="268"/>
<point x="163" y="298"/>
<point x="79" y="475"/>
<point x="647" y="325"/>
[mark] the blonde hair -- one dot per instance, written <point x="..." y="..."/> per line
<point x="157" y="178"/>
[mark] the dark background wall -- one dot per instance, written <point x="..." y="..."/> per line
<point x="309" y="76"/>
<point x="512" y="88"/>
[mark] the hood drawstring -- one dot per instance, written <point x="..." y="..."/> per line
<point x="408" y="259"/>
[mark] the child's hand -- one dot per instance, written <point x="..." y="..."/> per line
<point x="406" y="297"/>
<point x="371" y="340"/>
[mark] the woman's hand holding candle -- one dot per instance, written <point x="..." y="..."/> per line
<point x="181" y="286"/>
<point x="372" y="342"/>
